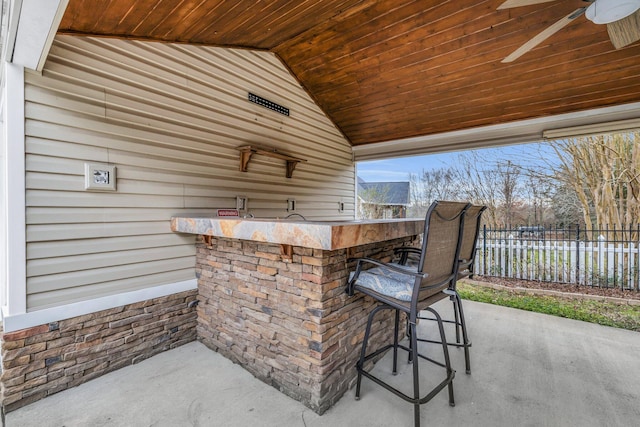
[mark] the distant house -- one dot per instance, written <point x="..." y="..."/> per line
<point x="383" y="199"/>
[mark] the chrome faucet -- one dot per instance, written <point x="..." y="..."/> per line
<point x="249" y="215"/>
<point x="295" y="214"/>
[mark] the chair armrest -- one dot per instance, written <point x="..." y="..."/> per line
<point x="405" y="251"/>
<point x="394" y="267"/>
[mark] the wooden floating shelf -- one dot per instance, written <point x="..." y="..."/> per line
<point x="246" y="151"/>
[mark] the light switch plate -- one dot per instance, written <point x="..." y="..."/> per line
<point x="99" y="177"/>
<point x="241" y="203"/>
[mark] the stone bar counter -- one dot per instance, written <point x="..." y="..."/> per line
<point x="271" y="297"/>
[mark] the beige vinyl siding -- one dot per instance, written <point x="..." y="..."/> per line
<point x="170" y="118"/>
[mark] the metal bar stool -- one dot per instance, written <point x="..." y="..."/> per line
<point x="471" y="228"/>
<point x="410" y="291"/>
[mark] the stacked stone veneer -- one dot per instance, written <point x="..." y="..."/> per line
<point x="288" y="320"/>
<point x="46" y="359"/>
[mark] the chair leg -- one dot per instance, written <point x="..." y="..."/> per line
<point x="396" y="329"/>
<point x="416" y="400"/>
<point x="416" y="381"/>
<point x="460" y="324"/>
<point x="363" y="350"/>
<point x="447" y="360"/>
<point x="409" y="335"/>
<point x="465" y="338"/>
<point x="456" y="317"/>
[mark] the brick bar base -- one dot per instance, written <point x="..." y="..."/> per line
<point x="285" y="318"/>
<point x="46" y="359"/>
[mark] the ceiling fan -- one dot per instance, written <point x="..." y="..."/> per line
<point x="621" y="16"/>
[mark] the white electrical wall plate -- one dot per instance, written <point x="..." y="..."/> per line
<point x="99" y="177"/>
<point x="241" y="203"/>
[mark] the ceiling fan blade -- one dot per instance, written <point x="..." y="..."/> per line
<point x="625" y="31"/>
<point x="517" y="3"/>
<point x="545" y="34"/>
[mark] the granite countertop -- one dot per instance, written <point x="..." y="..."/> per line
<point x="328" y="235"/>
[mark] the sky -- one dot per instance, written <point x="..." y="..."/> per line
<point x="393" y="170"/>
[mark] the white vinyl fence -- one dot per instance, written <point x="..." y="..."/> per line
<point x="551" y="257"/>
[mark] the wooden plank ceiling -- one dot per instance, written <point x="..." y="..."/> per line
<point x="388" y="69"/>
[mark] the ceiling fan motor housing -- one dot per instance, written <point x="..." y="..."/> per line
<point x="607" y="11"/>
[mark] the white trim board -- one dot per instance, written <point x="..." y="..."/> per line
<point x="14" y="192"/>
<point x="519" y="132"/>
<point x="38" y="22"/>
<point x="54" y="314"/>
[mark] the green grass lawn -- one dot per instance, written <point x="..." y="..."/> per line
<point x="623" y="316"/>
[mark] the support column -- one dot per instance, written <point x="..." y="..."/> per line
<point x="14" y="215"/>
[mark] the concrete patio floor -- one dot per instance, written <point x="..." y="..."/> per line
<point x="528" y="369"/>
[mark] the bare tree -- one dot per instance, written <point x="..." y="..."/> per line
<point x="430" y="185"/>
<point x="513" y="188"/>
<point x="494" y="184"/>
<point x="604" y="172"/>
<point x="508" y="175"/>
<point x="477" y="184"/>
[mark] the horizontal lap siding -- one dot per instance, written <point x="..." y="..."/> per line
<point x="169" y="117"/>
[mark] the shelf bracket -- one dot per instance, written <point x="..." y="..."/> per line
<point x="207" y="240"/>
<point x="245" y="156"/>
<point x="286" y="252"/>
<point x="291" y="165"/>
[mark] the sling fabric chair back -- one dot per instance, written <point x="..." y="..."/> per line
<point x="470" y="232"/>
<point x="440" y="251"/>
